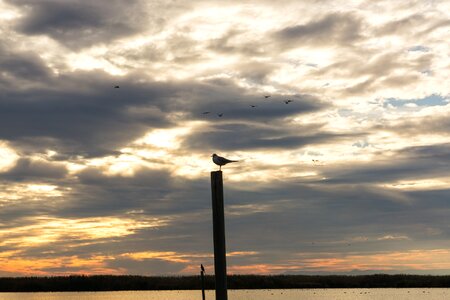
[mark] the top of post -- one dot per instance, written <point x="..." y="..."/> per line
<point x="216" y="176"/>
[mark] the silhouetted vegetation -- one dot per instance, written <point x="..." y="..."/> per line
<point x="120" y="283"/>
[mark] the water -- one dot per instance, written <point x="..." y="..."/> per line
<point x="309" y="294"/>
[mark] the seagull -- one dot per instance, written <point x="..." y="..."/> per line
<point x="221" y="161"/>
<point x="205" y="112"/>
<point x="287" y="101"/>
<point x="266" y="96"/>
<point x="220" y="115"/>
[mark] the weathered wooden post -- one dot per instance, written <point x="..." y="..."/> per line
<point x="202" y="275"/>
<point x="220" y="261"/>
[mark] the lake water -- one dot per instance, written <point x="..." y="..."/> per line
<point x="310" y="294"/>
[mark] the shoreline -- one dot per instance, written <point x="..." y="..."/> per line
<point x="103" y="283"/>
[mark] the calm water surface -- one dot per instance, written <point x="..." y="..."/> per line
<point x="329" y="294"/>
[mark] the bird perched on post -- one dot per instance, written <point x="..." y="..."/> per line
<point x="221" y="161"/>
<point x="202" y="268"/>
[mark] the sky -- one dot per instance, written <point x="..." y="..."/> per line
<point x="351" y="177"/>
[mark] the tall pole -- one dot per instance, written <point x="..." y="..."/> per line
<point x="220" y="261"/>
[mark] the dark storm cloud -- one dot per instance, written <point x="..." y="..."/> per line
<point x="20" y="69"/>
<point x="81" y="114"/>
<point x="100" y="195"/>
<point x="26" y="169"/>
<point x="408" y="163"/>
<point x="224" y="96"/>
<point x="336" y="28"/>
<point x="154" y="193"/>
<point x="27" y="66"/>
<point x="77" y="24"/>
<point x="238" y="136"/>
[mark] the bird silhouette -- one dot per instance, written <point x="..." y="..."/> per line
<point x="221" y="161"/>
<point x="220" y="115"/>
<point x="252" y="106"/>
<point x="266" y="96"/>
<point x="116" y="87"/>
<point x="287" y="101"/>
<point x="202" y="268"/>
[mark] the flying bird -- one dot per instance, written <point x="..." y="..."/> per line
<point x="221" y="161"/>
<point x="266" y="96"/>
<point x="220" y="115"/>
<point x="116" y="86"/>
<point x="252" y="106"/>
<point x="288" y="101"/>
<point x="205" y="112"/>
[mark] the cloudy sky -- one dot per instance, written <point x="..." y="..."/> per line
<point x="352" y="176"/>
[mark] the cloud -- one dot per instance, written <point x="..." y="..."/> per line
<point x="37" y="170"/>
<point x="336" y="28"/>
<point x="146" y="267"/>
<point x="23" y="66"/>
<point x="240" y="136"/>
<point x="80" y="24"/>
<point x="80" y="114"/>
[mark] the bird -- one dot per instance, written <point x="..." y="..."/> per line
<point x="252" y="106"/>
<point x="205" y="112"/>
<point x="266" y="96"/>
<point x="221" y="161"/>
<point x="287" y="101"/>
<point x="220" y="115"/>
<point x="116" y="87"/>
<point x="202" y="268"/>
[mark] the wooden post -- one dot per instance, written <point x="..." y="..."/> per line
<point x="220" y="261"/>
<point x="202" y="274"/>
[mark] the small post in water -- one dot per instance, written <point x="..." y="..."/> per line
<point x="220" y="263"/>
<point x="202" y="274"/>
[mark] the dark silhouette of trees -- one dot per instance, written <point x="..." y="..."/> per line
<point x="131" y="282"/>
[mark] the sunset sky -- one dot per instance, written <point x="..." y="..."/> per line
<point x="351" y="177"/>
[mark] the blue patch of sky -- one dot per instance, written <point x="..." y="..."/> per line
<point x="419" y="48"/>
<point x="433" y="100"/>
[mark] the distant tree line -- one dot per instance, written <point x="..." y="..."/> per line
<point x="130" y="282"/>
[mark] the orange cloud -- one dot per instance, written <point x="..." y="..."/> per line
<point x="72" y="265"/>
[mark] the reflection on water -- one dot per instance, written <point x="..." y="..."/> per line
<point x="304" y="294"/>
